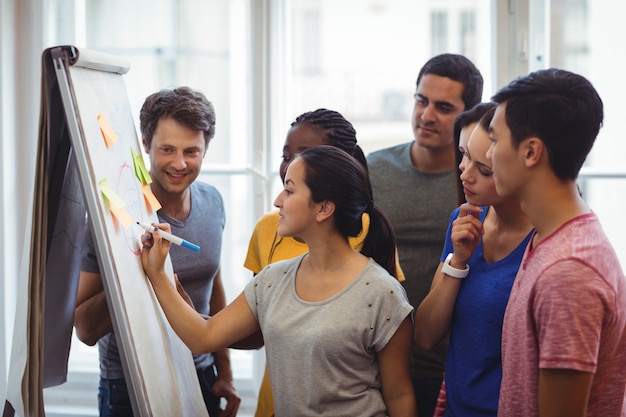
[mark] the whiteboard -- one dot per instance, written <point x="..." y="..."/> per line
<point x="159" y="368"/>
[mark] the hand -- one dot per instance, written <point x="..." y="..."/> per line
<point x="466" y="232"/>
<point x="182" y="292"/>
<point x="224" y="388"/>
<point x="154" y="252"/>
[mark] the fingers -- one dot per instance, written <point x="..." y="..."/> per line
<point x="469" y="217"/>
<point x="150" y="237"/>
<point x="153" y="243"/>
<point x="466" y="231"/>
<point x="467" y="226"/>
<point x="225" y="389"/>
<point x="162" y="226"/>
<point x="232" y="406"/>
<point x="470" y="209"/>
<point x="146" y="240"/>
<point x="155" y="249"/>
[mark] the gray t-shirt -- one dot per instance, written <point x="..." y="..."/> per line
<point x="321" y="356"/>
<point x="196" y="270"/>
<point x="418" y="205"/>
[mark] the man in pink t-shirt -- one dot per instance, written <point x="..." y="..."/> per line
<point x="564" y="334"/>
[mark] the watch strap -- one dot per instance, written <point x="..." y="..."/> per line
<point x="452" y="271"/>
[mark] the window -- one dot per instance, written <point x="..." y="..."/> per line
<point x="467" y="39"/>
<point x="306" y="31"/>
<point x="439" y="39"/>
<point x="577" y="37"/>
<point x="369" y="56"/>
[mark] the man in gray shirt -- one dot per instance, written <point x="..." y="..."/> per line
<point x="416" y="185"/>
<point x="176" y="127"/>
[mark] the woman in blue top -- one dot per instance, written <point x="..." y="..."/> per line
<point x="483" y="250"/>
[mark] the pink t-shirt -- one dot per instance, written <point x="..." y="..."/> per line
<point x="567" y="310"/>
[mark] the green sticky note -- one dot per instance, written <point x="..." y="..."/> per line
<point x="110" y="195"/>
<point x="141" y="172"/>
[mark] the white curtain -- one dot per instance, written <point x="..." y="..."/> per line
<point x="22" y="30"/>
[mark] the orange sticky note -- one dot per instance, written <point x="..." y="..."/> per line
<point x="150" y="198"/>
<point x="121" y="214"/>
<point x="116" y="204"/>
<point x="109" y="135"/>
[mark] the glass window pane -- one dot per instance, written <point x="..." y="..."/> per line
<point x="439" y="36"/>
<point x="581" y="40"/>
<point x="203" y="45"/>
<point x="467" y="33"/>
<point x="365" y="56"/>
<point x="579" y="33"/>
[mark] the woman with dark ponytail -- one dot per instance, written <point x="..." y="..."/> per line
<point x="308" y="130"/>
<point x="336" y="324"/>
<point x="347" y="186"/>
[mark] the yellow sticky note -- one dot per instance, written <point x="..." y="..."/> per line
<point x="107" y="132"/>
<point x="116" y="204"/>
<point x="150" y="198"/>
<point x="110" y="195"/>
<point x="121" y="214"/>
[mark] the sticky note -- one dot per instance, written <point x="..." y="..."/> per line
<point x="141" y="172"/>
<point x="110" y="195"/>
<point x="150" y="198"/>
<point x="116" y="204"/>
<point x="107" y="132"/>
<point x="121" y="214"/>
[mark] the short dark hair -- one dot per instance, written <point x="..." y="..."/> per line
<point x="188" y="107"/>
<point x="333" y="175"/>
<point x="464" y="119"/>
<point x="561" y="108"/>
<point x="457" y="68"/>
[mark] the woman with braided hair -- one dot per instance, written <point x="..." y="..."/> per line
<point x="336" y="322"/>
<point x="310" y="129"/>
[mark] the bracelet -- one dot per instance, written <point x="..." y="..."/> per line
<point x="452" y="271"/>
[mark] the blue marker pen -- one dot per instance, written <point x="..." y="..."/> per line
<point x="168" y="236"/>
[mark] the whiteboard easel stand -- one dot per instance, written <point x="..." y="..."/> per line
<point x="61" y="59"/>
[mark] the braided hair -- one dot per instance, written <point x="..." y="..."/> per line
<point x="338" y="132"/>
<point x="335" y="128"/>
